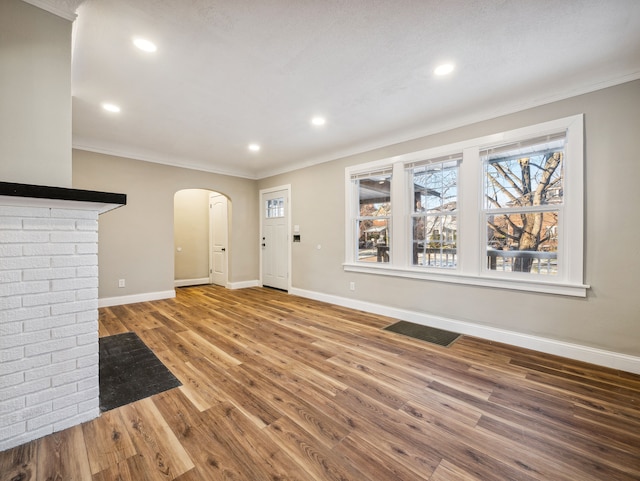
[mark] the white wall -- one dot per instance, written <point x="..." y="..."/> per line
<point x="35" y="96"/>
<point x="608" y="319"/>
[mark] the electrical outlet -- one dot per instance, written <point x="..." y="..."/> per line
<point x="352" y="286"/>
<point x="121" y="283"/>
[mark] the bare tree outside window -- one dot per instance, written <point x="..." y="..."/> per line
<point x="435" y="219"/>
<point x="523" y="193"/>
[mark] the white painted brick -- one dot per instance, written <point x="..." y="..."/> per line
<point x="18" y="211"/>
<point x="73" y="376"/>
<point x="73" y="237"/>
<point x="10" y="328"/>
<point x="24" y="313"/>
<point x="75" y="399"/>
<point x="49" y="274"/>
<point x="89" y="382"/>
<point x="10" y="250"/>
<point x="87" y="361"/>
<point x="74" y="214"/>
<point x="12" y="263"/>
<point x="10" y="223"/>
<point x="10" y="303"/>
<point x="22" y="237"/>
<point x="50" y="394"/>
<point x="11" y="433"/>
<point x="91" y="407"/>
<point x="86" y="294"/>
<point x="74" y="353"/>
<point x="87" y="338"/>
<point x="50" y="371"/>
<point x="88" y="225"/>
<point x="74" y="261"/>
<point x="83" y="416"/>
<point x="24" y="388"/>
<point x="87" y="316"/>
<point x="50" y="418"/>
<point x="76" y="306"/>
<point x="48" y="224"/>
<point x="21" y="288"/>
<point x="10" y="276"/>
<point x="73" y="330"/>
<point x="73" y="284"/>
<point x="48" y="249"/>
<point x="48" y="298"/>
<point x="7" y="355"/>
<point x="15" y="404"/>
<point x="24" y="339"/>
<point x="10" y="381"/>
<point x="29" y="412"/>
<point x="26" y="437"/>
<point x="88" y="271"/>
<point x="49" y="322"/>
<point x="88" y="248"/>
<point x="49" y="346"/>
<point x="24" y="364"/>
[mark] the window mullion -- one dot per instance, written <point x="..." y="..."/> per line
<point x="469" y="203"/>
<point x="399" y="214"/>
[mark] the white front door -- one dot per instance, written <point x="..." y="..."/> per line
<point x="218" y="239"/>
<point x="275" y="239"/>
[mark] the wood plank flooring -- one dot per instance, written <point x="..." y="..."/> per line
<point x="280" y="388"/>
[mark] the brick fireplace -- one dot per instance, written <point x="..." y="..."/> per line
<point x="48" y="308"/>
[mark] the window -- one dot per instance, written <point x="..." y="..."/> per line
<point x="434" y="220"/>
<point x="505" y="210"/>
<point x="372" y="219"/>
<point x="523" y="202"/>
<point x="274" y="208"/>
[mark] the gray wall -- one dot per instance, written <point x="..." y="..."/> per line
<point x="136" y="241"/>
<point x="35" y="96"/>
<point x="609" y="318"/>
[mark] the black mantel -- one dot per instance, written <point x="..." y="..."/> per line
<point x="60" y="193"/>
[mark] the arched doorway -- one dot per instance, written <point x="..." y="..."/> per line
<point x="201" y="232"/>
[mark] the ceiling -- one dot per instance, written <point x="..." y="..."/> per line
<point x="228" y="73"/>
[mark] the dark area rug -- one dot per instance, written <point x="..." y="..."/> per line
<point x="424" y="333"/>
<point x="130" y="371"/>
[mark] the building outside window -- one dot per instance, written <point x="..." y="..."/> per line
<point x="504" y="210"/>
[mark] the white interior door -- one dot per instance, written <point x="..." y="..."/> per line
<point x="218" y="236"/>
<point x="275" y="239"/>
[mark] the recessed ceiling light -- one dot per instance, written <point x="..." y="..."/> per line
<point x="318" y="121"/>
<point x="144" y="44"/>
<point x="109" y="107"/>
<point x="444" y="69"/>
<point x="254" y="147"/>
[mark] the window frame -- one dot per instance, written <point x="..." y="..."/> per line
<point x="471" y="247"/>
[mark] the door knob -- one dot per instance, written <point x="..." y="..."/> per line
<point x="224" y="249"/>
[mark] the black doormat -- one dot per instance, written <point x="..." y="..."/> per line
<point x="130" y="371"/>
<point x="425" y="333"/>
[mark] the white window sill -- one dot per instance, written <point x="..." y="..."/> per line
<point x="562" y="289"/>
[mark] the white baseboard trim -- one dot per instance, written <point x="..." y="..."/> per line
<point x="191" y="282"/>
<point x="243" y="284"/>
<point x="601" y="357"/>
<point x="144" y="297"/>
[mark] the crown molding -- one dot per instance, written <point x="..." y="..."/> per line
<point x="62" y="8"/>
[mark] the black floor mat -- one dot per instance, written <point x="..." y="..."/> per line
<point x="129" y="371"/>
<point x="425" y="333"/>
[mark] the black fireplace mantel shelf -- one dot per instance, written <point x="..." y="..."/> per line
<point x="60" y="193"/>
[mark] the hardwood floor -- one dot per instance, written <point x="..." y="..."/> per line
<point x="277" y="388"/>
